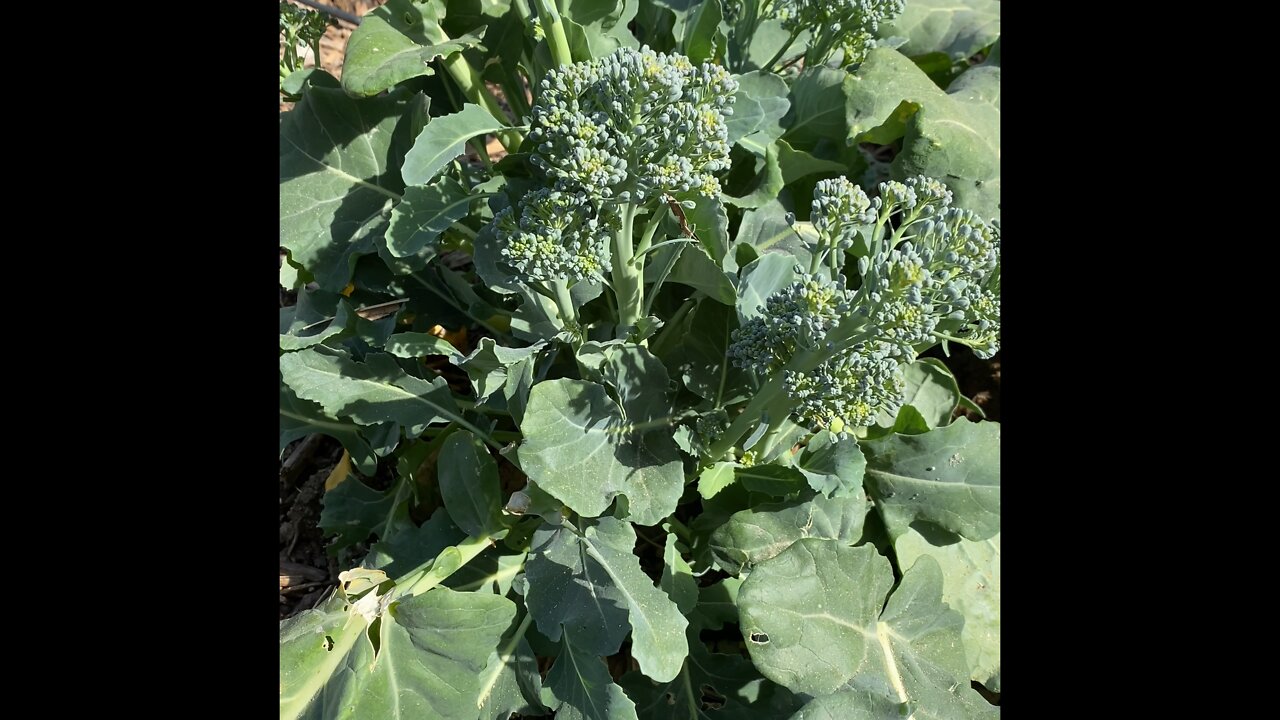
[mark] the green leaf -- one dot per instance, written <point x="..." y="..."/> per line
<point x="470" y="487"/>
<point x="375" y="391"/>
<point x="813" y="622"/>
<point x="677" y="577"/>
<point x="379" y="54"/>
<point x="855" y="705"/>
<point x="511" y="682"/>
<point x="574" y="430"/>
<point x="768" y="185"/>
<point x="443" y="139"/>
<point x="694" y="268"/>
<point x="717" y="604"/>
<point x="772" y="480"/>
<point x="702" y="33"/>
<point x="424" y="213"/>
<point x="353" y="510"/>
<point x="338" y="177"/>
<point x="710" y="686"/>
<point x="932" y="390"/>
<point x="970" y="585"/>
<point x="758" y="107"/>
<point x="833" y="466"/>
<point x="299" y="418"/>
<point x="763" y="277"/>
<point x="796" y="164"/>
<point x="959" y="28"/>
<point x="953" y="136"/>
<point x="767" y="230"/>
<point x="323" y="657"/>
<point x="710" y="223"/>
<point x="580" y="682"/>
<point x="432" y="649"/>
<point x="416" y="345"/>
<point x="588" y="581"/>
<point x="490" y="364"/>
<point x="820" y="98"/>
<point x="752" y="536"/>
<point x="701" y="361"/>
<point x="949" y="476"/>
<point x="341" y="326"/>
<point x="716" y="478"/>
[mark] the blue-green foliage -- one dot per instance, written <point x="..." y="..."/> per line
<point x="935" y="277"/>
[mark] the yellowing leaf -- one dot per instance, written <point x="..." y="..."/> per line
<point x="350" y="288"/>
<point x="339" y="473"/>
<point x="456" y="338"/>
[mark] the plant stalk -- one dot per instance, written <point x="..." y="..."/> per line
<point x="557" y="41"/>
<point x="438" y="569"/>
<point x="628" y="280"/>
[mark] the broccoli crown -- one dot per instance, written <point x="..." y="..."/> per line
<point x="848" y="390"/>
<point x="936" y="276"/>
<point x="633" y="125"/>
<point x="850" y="23"/>
<point x="555" y="236"/>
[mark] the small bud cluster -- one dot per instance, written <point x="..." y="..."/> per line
<point x="557" y="236"/>
<point x="796" y="317"/>
<point x="849" y="390"/>
<point x="851" y="23"/>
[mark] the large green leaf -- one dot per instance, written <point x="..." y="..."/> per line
<point x="381" y="51"/>
<point x="767" y="231"/>
<point x="590" y="582"/>
<point x="703" y="38"/>
<point x="812" y="617"/>
<point x="970" y="585"/>
<point x="932" y="390"/>
<point x="758" y="107"/>
<point x="957" y="28"/>
<point x="299" y="418"/>
<point x="953" y="136"/>
<point x="752" y="536"/>
<point x="432" y="650"/>
<point x="949" y="476"/>
<point x="469" y="485"/>
<point x="701" y="361"/>
<point x="416" y="345"/>
<point x="580" y="682"/>
<point x="424" y="213"/>
<point x="573" y="430"/>
<point x="443" y="139"/>
<point x="338" y="176"/>
<point x="768" y="183"/>
<point x="408" y="547"/>
<point x="853" y="705"/>
<point x="677" y="577"/>
<point x="511" y="683"/>
<point x="710" y="686"/>
<point x="352" y="510"/>
<point x="834" y="466"/>
<point x="820" y="97"/>
<point x="371" y="392"/>
<point x="324" y="654"/>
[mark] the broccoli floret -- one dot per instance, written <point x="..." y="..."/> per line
<point x="837" y="351"/>
<point x="633" y="125"/>
<point x="847" y="25"/>
<point x="556" y="236"/>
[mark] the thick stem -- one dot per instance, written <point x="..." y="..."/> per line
<point x="435" y="571"/>
<point x="783" y="50"/>
<point x="628" y="280"/>
<point x="557" y="42"/>
<point x="564" y="302"/>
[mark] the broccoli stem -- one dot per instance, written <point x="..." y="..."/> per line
<point x="557" y="42"/>
<point x="439" y="568"/>
<point x="564" y="302"/>
<point x="628" y="280"/>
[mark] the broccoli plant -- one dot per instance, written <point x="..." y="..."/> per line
<point x="640" y="372"/>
